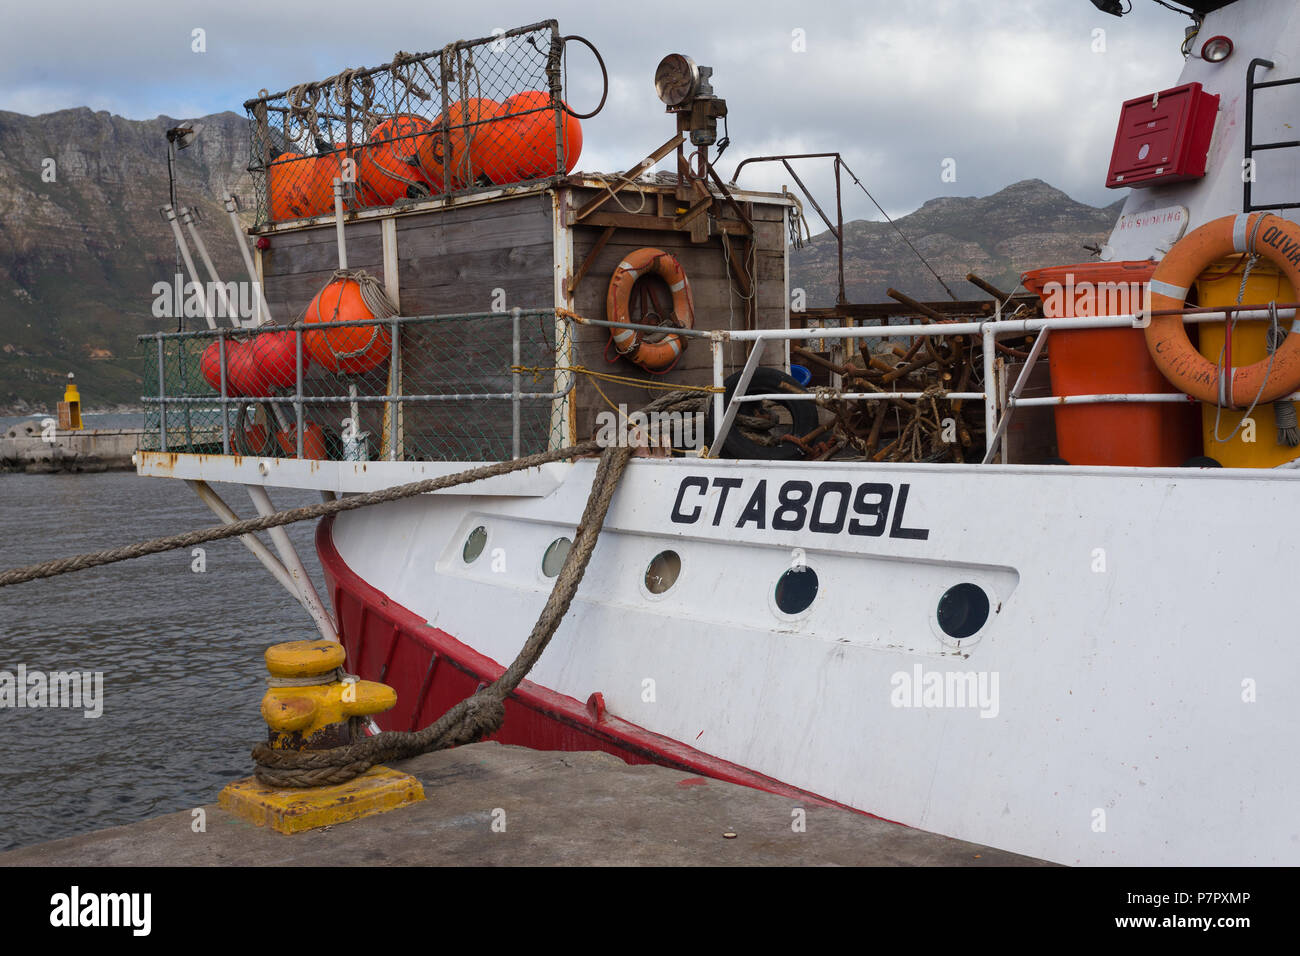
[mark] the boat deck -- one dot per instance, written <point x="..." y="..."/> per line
<point x="559" y="809"/>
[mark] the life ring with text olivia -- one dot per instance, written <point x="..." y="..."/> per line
<point x="1263" y="234"/>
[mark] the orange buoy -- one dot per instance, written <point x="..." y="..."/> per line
<point x="353" y="349"/>
<point x="1263" y="234"/>
<point x="526" y="147"/>
<point x="631" y="343"/>
<point x="388" y="168"/>
<point x="299" y="186"/>
<point x="283" y="186"/>
<point x="472" y="138"/>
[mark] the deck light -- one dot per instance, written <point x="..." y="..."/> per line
<point x="1216" y="49"/>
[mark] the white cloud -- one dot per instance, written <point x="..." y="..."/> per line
<point x="1011" y="90"/>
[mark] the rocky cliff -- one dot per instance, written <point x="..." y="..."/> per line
<point x="82" y="242"/>
<point x="998" y="237"/>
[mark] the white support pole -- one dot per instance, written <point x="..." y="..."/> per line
<point x="187" y="217"/>
<point x="292" y="562"/>
<point x="715" y="345"/>
<point x="746" y="374"/>
<point x="232" y="207"/>
<point x="1012" y="401"/>
<point x="392" y="433"/>
<point x="338" y="223"/>
<point x="990" y="386"/>
<point x="263" y="554"/>
<point x="170" y="214"/>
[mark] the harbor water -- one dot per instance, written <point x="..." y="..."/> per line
<point x="177" y="637"/>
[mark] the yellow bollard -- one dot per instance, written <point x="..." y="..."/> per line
<point x="310" y="705"/>
<point x="70" y="407"/>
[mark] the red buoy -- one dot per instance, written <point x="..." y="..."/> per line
<point x="275" y="357"/>
<point x="210" y="366"/>
<point x="241" y="371"/>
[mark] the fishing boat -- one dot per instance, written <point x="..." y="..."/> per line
<point x="966" y="566"/>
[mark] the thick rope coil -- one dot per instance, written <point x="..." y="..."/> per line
<point x="478" y="715"/>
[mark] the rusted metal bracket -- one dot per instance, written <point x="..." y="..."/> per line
<point x="731" y="200"/>
<point x="624" y="180"/>
<point x="574" y="279"/>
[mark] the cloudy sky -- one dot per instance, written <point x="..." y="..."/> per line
<point x="1008" y="90"/>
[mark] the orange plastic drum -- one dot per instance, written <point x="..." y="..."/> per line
<point x="1110" y="361"/>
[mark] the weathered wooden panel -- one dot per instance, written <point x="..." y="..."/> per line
<point x="718" y="305"/>
<point x="462" y="259"/>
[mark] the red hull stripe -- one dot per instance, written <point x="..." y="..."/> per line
<point x="431" y="670"/>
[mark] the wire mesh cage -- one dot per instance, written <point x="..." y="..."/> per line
<point x="466" y="387"/>
<point x="477" y="113"/>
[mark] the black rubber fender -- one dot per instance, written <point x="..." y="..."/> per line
<point x="803" y="416"/>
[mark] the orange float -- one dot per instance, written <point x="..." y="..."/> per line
<point x="388" y="167"/>
<point x="1263" y="234"/>
<point x="473" y="137"/>
<point x="290" y="180"/>
<point x="526" y="144"/>
<point x="631" y="343"/>
<point x="354" y="349"/>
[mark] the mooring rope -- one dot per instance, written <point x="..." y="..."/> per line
<point x="80" y="562"/>
<point x="475" y="716"/>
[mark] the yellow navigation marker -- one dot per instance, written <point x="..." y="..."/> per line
<point x="70" y="407"/>
<point x="312" y="705"/>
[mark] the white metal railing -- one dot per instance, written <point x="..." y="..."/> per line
<point x="996" y="418"/>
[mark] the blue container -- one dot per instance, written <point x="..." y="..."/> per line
<point x="800" y="375"/>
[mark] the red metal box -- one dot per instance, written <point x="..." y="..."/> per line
<point x="1163" y="138"/>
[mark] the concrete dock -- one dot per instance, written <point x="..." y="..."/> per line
<point x="493" y="805"/>
<point x="36" y="446"/>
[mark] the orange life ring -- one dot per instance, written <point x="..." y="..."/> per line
<point x="631" y="343"/>
<point x="1264" y="234"/>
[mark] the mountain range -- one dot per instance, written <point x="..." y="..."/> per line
<point x="82" y="244"/>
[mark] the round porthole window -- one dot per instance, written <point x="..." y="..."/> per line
<point x="553" y="559"/>
<point x="963" y="609"/>
<point x="796" y="589"/>
<point x="474" y="544"/>
<point x="661" y="574"/>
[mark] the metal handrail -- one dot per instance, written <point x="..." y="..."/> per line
<point x="299" y="398"/>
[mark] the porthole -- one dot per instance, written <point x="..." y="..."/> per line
<point x="661" y="573"/>
<point x="963" y="610"/>
<point x="796" y="589"/>
<point x="474" y="544"/>
<point x="556" y="553"/>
